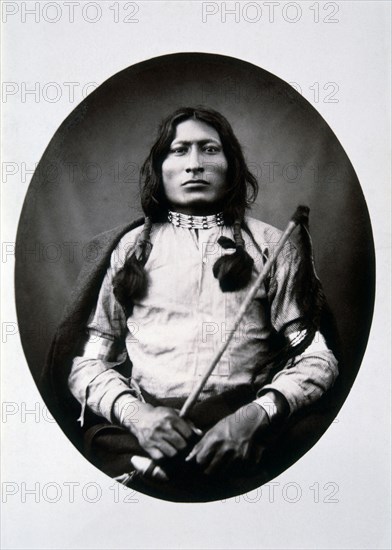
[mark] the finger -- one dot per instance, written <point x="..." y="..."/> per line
<point x="166" y="447"/>
<point x="146" y="466"/>
<point x="198" y="447"/>
<point x="191" y="455"/>
<point x="248" y="453"/>
<point x="204" y="453"/>
<point x="175" y="439"/>
<point x="141" y="463"/>
<point x="259" y="451"/>
<point x="159" y="474"/>
<point x="163" y="447"/>
<point x="193" y="452"/>
<point x="182" y="427"/>
<point x="220" y="462"/>
<point x="193" y="428"/>
<point x="215" y="466"/>
<point x="155" y="453"/>
<point x="170" y="432"/>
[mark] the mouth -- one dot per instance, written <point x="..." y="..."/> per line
<point x="196" y="182"/>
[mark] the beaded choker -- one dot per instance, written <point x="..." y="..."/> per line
<point x="195" y="222"/>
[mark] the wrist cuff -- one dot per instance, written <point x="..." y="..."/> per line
<point x="270" y="407"/>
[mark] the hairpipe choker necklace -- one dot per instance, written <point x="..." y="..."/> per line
<point x="195" y="222"/>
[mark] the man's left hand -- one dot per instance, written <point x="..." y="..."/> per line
<point x="237" y="437"/>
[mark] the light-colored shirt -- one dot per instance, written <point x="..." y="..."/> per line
<point x="176" y="329"/>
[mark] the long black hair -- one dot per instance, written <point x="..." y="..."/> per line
<point x="242" y="185"/>
<point x="232" y="270"/>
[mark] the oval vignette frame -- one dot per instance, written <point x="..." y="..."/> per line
<point x="86" y="183"/>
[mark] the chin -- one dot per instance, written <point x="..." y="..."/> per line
<point x="198" y="207"/>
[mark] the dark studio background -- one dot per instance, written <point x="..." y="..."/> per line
<point x="87" y="182"/>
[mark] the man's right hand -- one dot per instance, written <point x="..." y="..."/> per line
<point x="160" y="430"/>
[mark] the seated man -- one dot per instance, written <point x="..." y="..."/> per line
<point x="168" y="298"/>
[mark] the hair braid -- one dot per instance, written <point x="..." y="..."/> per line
<point x="233" y="271"/>
<point x="131" y="281"/>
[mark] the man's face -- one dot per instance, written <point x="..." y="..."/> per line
<point x="194" y="171"/>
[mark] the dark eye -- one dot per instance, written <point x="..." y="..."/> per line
<point x="211" y="149"/>
<point x="178" y="150"/>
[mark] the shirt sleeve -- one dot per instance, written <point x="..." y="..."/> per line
<point x="306" y="377"/>
<point x="94" y="379"/>
<point x="286" y="312"/>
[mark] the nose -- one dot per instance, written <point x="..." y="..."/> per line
<point x="194" y="161"/>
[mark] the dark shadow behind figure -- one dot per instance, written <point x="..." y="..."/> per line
<point x="66" y="205"/>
